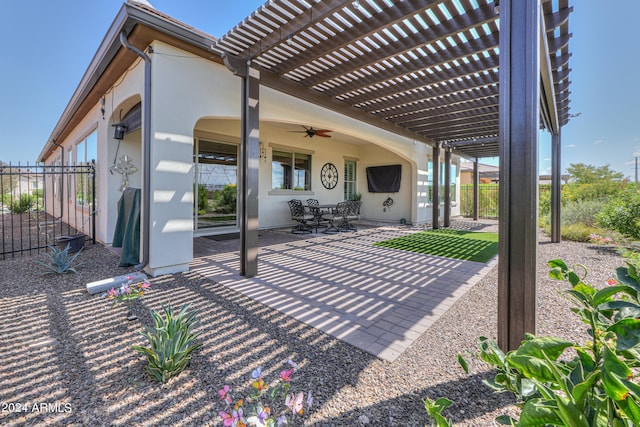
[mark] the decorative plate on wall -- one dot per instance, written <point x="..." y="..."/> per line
<point x="329" y="176"/>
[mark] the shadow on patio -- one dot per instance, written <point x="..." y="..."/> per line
<point x="377" y="299"/>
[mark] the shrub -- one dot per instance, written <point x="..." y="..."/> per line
<point x="578" y="232"/>
<point x="61" y="261"/>
<point x="203" y="199"/>
<point x="226" y="199"/>
<point x="581" y="212"/>
<point x="593" y="191"/>
<point x="595" y="386"/>
<point x="21" y="205"/>
<point x="171" y="342"/>
<point x="622" y="213"/>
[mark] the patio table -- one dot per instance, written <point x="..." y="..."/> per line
<point x="318" y="211"/>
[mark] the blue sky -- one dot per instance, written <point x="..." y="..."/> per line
<point x="47" y="46"/>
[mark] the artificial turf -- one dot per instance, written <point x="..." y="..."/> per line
<point x="466" y="245"/>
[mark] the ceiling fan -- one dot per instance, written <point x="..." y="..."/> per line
<point x="311" y="132"/>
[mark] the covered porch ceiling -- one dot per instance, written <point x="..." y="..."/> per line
<point x="426" y="69"/>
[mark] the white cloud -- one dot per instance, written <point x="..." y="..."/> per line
<point x="598" y="141"/>
<point x="547" y="159"/>
<point x="570" y="146"/>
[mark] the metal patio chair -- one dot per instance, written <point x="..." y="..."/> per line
<point x="300" y="215"/>
<point x="345" y="214"/>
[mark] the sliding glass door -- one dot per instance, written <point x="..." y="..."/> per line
<point x="215" y="190"/>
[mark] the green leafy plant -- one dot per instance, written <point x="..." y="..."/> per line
<point x="562" y="383"/>
<point x="622" y="213"/>
<point x="225" y="199"/>
<point x="171" y="342"/>
<point x="263" y="406"/>
<point x="434" y="408"/>
<point x="61" y="261"/>
<point x="128" y="293"/>
<point x="21" y="205"/>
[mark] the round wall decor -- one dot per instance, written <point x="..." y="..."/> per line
<point x="329" y="176"/>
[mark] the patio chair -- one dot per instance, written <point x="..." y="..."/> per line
<point x="346" y="212"/>
<point x="299" y="214"/>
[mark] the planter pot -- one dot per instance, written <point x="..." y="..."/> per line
<point x="75" y="242"/>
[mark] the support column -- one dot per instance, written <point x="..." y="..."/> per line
<point x="447" y="187"/>
<point x="556" y="188"/>
<point x="518" y="137"/>
<point x="248" y="163"/>
<point x="476" y="189"/>
<point x="435" y="189"/>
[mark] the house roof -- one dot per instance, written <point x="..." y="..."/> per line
<point x="425" y="69"/>
<point x="482" y="168"/>
<point x="429" y="69"/>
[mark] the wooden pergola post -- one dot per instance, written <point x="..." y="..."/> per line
<point x="476" y="189"/>
<point x="248" y="163"/>
<point x="556" y="188"/>
<point x="447" y="187"/>
<point x="435" y="189"/>
<point x="518" y="139"/>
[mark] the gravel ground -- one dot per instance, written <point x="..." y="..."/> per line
<point x="67" y="358"/>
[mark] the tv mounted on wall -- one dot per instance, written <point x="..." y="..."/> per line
<point x="384" y="179"/>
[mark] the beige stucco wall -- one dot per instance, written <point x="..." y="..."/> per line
<point x="193" y="97"/>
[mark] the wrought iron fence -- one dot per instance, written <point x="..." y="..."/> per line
<point x="488" y="200"/>
<point x="45" y="205"/>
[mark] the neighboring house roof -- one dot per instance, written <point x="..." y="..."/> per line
<point x="482" y="168"/>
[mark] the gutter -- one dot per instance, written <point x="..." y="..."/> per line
<point x="146" y="137"/>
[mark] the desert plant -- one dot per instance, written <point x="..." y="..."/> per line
<point x="171" y="341"/>
<point x="581" y="212"/>
<point x="61" y="261"/>
<point x="593" y="388"/>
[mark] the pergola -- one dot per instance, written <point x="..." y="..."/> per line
<point x="475" y="77"/>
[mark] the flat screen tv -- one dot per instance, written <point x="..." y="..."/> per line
<point x="384" y="179"/>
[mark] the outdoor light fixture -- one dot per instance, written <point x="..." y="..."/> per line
<point x="263" y="151"/>
<point x="120" y="129"/>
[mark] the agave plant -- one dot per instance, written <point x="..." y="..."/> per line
<point x="171" y="340"/>
<point x="61" y="261"/>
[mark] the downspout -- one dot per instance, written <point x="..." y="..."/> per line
<point x="146" y="136"/>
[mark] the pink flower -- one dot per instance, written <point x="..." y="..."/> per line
<point x="612" y="282"/>
<point x="224" y="394"/>
<point x="227" y="419"/>
<point x="286" y="375"/>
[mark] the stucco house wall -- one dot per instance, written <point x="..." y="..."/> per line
<point x="196" y="98"/>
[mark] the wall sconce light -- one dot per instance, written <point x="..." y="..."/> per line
<point x="120" y="129"/>
<point x="262" y="151"/>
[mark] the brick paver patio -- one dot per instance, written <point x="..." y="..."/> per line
<point x="377" y="299"/>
